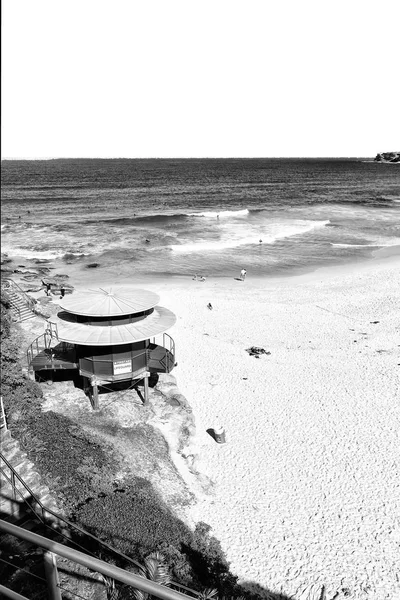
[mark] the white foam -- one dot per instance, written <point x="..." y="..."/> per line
<point x="77" y="254"/>
<point x="276" y="232"/>
<point x="47" y="254"/>
<point x="376" y="245"/>
<point x="223" y="214"/>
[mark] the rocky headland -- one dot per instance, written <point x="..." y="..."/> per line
<point x="387" y="157"/>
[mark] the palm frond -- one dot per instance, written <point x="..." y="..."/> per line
<point x="207" y="594"/>
<point x="157" y="569"/>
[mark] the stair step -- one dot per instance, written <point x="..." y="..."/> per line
<point x="16" y="457"/>
<point x="27" y="473"/>
<point x="32" y="480"/>
<point x="5" y="436"/>
<point x="7" y="444"/>
<point x="48" y="502"/>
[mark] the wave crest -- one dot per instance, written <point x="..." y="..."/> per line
<point x="221" y="214"/>
<point x="281" y="231"/>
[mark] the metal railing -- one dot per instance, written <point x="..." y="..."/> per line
<point x="9" y="284"/>
<point x="42" y="342"/>
<point x="168" y="343"/>
<point x="52" y="329"/>
<point x="32" y="502"/>
<point x="135" y="581"/>
<point x="3" y="420"/>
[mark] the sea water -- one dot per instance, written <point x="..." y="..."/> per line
<point x="213" y="217"/>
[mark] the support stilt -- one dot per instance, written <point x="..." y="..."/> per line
<point x="146" y="389"/>
<point x="50" y="569"/>
<point x="95" y="396"/>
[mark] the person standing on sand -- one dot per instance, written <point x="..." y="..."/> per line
<point x="243" y="274"/>
<point x="48" y="287"/>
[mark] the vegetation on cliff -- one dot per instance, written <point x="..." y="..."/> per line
<point x="130" y="516"/>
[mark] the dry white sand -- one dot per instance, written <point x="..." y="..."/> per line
<point x="307" y="486"/>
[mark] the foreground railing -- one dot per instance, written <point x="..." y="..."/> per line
<point x="43" y="513"/>
<point x="94" y="564"/>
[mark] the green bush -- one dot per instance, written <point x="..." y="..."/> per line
<point x="17" y="391"/>
<point x="137" y="522"/>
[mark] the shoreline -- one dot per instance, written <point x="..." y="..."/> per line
<point x="98" y="275"/>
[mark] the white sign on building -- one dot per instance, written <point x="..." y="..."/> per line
<point x="122" y="366"/>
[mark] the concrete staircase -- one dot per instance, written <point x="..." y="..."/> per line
<point x="19" y="306"/>
<point x="11" y="503"/>
<point x="22" y="565"/>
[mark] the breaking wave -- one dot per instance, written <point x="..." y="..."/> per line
<point x="222" y="214"/>
<point x="230" y="241"/>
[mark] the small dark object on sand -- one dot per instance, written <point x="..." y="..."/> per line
<point x="374" y="322"/>
<point x="92" y="265"/>
<point x="255" y="351"/>
<point x="147" y="241"/>
<point x="210" y="306"/>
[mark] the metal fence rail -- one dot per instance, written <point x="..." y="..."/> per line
<point x="135" y="581"/>
<point x="34" y="502"/>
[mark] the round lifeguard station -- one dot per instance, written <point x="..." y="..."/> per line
<point x="109" y="334"/>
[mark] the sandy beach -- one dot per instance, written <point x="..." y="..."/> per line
<point x="305" y="491"/>
<point x="306" y="487"/>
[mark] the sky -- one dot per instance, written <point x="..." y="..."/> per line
<point x="199" y="78"/>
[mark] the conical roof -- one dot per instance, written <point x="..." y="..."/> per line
<point x="86" y="334"/>
<point x="113" y="301"/>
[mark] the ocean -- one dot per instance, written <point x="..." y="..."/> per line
<point x="211" y="217"/>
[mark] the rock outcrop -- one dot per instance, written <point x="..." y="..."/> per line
<point x="388" y="157"/>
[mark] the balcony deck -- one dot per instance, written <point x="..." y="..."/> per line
<point x="54" y="358"/>
<point x="159" y="360"/>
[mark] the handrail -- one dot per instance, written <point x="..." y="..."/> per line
<point x="168" y="344"/>
<point x="136" y="581"/>
<point x="52" y="329"/>
<point x="8" y="282"/>
<point x="7" y="593"/>
<point x="57" y="516"/>
<point x="71" y="525"/>
<point x="30" y="350"/>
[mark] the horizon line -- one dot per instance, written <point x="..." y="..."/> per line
<point x="178" y="157"/>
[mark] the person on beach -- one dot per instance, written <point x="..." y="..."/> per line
<point x="48" y="287"/>
<point x="210" y="306"/>
<point x="62" y="291"/>
<point x="243" y="274"/>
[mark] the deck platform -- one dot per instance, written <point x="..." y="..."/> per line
<point x="54" y="358"/>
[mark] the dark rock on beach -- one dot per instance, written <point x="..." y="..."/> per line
<point x="92" y="265"/>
